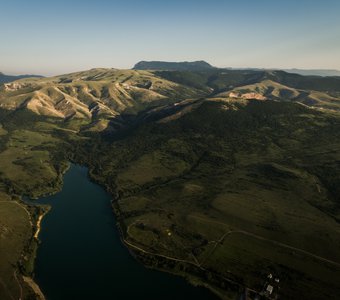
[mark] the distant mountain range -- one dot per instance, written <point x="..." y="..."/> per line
<point x="203" y="66"/>
<point x="304" y="72"/>
<point x="8" y="78"/>
<point x="316" y="72"/>
<point x="191" y="66"/>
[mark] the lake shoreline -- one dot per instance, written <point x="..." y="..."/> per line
<point x="38" y="225"/>
<point x="190" y="278"/>
<point x="27" y="274"/>
<point x="143" y="257"/>
<point x="193" y="280"/>
<point x="34" y="287"/>
<point x="27" y="263"/>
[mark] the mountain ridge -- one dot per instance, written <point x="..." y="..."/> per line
<point x="314" y="72"/>
<point x="101" y="93"/>
<point x="9" y="78"/>
<point x="303" y="72"/>
<point x="93" y="95"/>
<point x="173" y="66"/>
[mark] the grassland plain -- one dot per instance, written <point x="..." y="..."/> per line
<point x="221" y="190"/>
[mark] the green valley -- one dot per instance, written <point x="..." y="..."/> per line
<point x="220" y="176"/>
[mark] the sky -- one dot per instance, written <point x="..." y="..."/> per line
<point x="55" y="37"/>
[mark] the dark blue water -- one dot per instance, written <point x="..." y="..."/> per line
<point x="82" y="257"/>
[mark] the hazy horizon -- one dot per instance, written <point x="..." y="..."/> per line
<point x="67" y="36"/>
<point x="113" y="67"/>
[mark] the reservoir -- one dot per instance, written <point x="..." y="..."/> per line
<point x="82" y="257"/>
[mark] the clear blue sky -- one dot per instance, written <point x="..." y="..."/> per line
<point x="53" y="37"/>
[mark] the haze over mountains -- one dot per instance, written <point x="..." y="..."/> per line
<point x="202" y="65"/>
<point x="8" y="78"/>
<point x="314" y="72"/>
<point x="192" y="66"/>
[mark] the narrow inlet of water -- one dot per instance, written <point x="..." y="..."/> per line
<point x="82" y="257"/>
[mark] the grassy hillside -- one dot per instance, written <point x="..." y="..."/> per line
<point x="13" y="232"/>
<point x="216" y="80"/>
<point x="94" y="94"/>
<point x="317" y="83"/>
<point x="314" y="91"/>
<point x="103" y="95"/>
<point x="234" y="190"/>
<point x="271" y="90"/>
